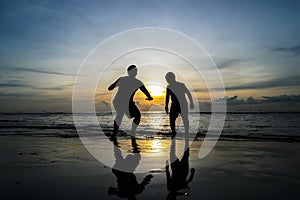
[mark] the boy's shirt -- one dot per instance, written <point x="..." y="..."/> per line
<point x="177" y="92"/>
<point x="127" y="88"/>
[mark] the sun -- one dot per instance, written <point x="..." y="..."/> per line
<point x="156" y="90"/>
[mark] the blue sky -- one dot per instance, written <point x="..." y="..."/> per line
<point x="255" y="44"/>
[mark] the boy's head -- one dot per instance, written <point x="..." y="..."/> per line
<point x="170" y="77"/>
<point x="132" y="70"/>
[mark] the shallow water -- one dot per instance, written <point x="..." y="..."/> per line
<point x="246" y="125"/>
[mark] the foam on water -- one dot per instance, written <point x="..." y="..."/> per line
<point x="244" y="125"/>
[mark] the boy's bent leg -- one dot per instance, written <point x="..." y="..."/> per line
<point x="135" y="113"/>
<point x="117" y="123"/>
<point x="172" y="123"/>
<point x="174" y="113"/>
<point x="186" y="123"/>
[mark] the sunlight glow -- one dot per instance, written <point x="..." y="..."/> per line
<point x="156" y="90"/>
<point x="156" y="146"/>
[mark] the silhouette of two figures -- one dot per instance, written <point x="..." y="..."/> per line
<point x="124" y="104"/>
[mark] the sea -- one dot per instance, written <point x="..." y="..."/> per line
<point x="267" y="126"/>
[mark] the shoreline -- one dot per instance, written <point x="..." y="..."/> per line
<point x="167" y="136"/>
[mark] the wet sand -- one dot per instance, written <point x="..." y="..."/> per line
<point x="61" y="168"/>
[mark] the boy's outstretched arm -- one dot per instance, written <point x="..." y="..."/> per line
<point x="146" y="92"/>
<point x="167" y="100"/>
<point x="190" y="98"/>
<point x="112" y="86"/>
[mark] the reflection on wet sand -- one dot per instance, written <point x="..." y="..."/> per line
<point x="124" y="168"/>
<point x="178" y="179"/>
<point x="177" y="170"/>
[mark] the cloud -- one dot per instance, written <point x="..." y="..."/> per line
<point x="230" y="100"/>
<point x="283" y="98"/>
<point x="48" y="88"/>
<point x="231" y="63"/>
<point x="16" y="77"/>
<point x="16" y="95"/>
<point x="293" y="49"/>
<point x="274" y="83"/>
<point x="19" y="84"/>
<point x="68" y="85"/>
<point x="280" y="103"/>
<point x="12" y="85"/>
<point x="20" y="69"/>
<point x="266" y="99"/>
<point x="279" y="82"/>
<point x="56" y="99"/>
<point x="200" y="90"/>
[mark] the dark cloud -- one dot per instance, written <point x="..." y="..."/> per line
<point x="231" y="63"/>
<point x="293" y="49"/>
<point x="12" y="85"/>
<point x="19" y="84"/>
<point x="280" y="103"/>
<point x="68" y="85"/>
<point x="273" y="83"/>
<point x="279" y="82"/>
<point x="48" y="88"/>
<point x="21" y="69"/>
<point x="16" y="77"/>
<point x="282" y="98"/>
<point x="234" y="100"/>
<point x="22" y="95"/>
<point x="200" y="90"/>
<point x="64" y="100"/>
<point x="230" y="100"/>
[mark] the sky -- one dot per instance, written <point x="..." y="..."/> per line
<point x="255" y="45"/>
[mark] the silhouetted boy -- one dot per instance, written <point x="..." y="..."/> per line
<point x="177" y="91"/>
<point x="123" y="102"/>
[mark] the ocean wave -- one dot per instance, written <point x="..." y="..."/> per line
<point x="238" y="126"/>
<point x="156" y="135"/>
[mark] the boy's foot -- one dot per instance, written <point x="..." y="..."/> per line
<point x="147" y="179"/>
<point x="174" y="134"/>
<point x="112" y="137"/>
<point x="134" y="145"/>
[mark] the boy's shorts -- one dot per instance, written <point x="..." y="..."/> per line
<point x="175" y="110"/>
<point x="130" y="110"/>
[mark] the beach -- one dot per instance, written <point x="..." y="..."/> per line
<point x="61" y="168"/>
<point x="149" y="100"/>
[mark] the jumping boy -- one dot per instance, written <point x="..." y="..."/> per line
<point x="123" y="102"/>
<point x="177" y="91"/>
